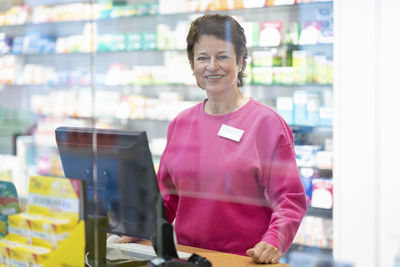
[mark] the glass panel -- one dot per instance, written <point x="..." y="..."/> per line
<point x="123" y="65"/>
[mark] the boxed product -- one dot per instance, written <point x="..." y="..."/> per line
<point x="306" y="175"/>
<point x="325" y="159"/>
<point x="55" y="196"/>
<point x="325" y="116"/>
<point x="50" y="232"/>
<point x="271" y="33"/>
<point x="149" y="40"/>
<point x="306" y="155"/>
<point x="27" y="255"/>
<point x="262" y="58"/>
<point x="300" y="66"/>
<point x="322" y="194"/>
<point x="282" y="75"/>
<point x="291" y="33"/>
<point x="300" y="107"/>
<point x="133" y="41"/>
<point x="5" y="249"/>
<point x="8" y="205"/>
<point x="19" y="227"/>
<point x="321" y="69"/>
<point x="252" y="31"/>
<point x="313" y="103"/>
<point x="262" y="75"/>
<point x="310" y="33"/>
<point x="284" y="106"/>
<point x="163" y="37"/>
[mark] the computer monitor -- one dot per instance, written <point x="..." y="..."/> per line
<point x="126" y="187"/>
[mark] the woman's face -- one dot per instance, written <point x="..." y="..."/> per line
<point x="215" y="65"/>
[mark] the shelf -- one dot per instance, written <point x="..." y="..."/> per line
<point x="166" y="86"/>
<point x="311" y="249"/>
<point x="310" y="129"/>
<point x="233" y="11"/>
<point x="250" y="48"/>
<point x="319" y="212"/>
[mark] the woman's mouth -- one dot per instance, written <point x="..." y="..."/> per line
<point x="214" y="77"/>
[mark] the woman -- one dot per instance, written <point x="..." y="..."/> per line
<point x="228" y="175"/>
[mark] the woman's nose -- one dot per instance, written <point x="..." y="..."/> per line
<point x="212" y="64"/>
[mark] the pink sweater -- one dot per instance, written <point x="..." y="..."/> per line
<point x="226" y="195"/>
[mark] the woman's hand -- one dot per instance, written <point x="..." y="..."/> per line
<point x="263" y="252"/>
<point x="123" y="239"/>
<point x="120" y="239"/>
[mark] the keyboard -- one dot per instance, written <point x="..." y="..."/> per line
<point x="141" y="252"/>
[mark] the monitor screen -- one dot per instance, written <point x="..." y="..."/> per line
<point x="126" y="188"/>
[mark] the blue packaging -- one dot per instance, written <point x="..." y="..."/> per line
<point x="300" y="108"/>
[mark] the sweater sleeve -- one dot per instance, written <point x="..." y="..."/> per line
<point x="165" y="182"/>
<point x="285" y="193"/>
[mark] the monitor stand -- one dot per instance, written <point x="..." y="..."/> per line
<point x="96" y="255"/>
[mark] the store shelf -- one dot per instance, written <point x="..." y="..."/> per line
<point x="311" y="249"/>
<point x="176" y="15"/>
<point x="318" y="212"/>
<point x="172" y="85"/>
<point x="251" y="48"/>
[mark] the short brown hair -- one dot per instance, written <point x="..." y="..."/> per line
<point x="223" y="27"/>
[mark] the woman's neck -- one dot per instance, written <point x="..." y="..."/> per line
<point x="224" y="104"/>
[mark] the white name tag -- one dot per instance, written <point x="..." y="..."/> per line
<point x="230" y="132"/>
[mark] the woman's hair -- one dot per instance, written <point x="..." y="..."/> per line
<point x="223" y="27"/>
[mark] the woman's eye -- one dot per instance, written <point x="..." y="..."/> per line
<point x="223" y="57"/>
<point x="201" y="58"/>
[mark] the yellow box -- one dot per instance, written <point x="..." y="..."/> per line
<point x="53" y="196"/>
<point x="19" y="227"/>
<point x="27" y="255"/>
<point x="5" y="248"/>
<point x="50" y="232"/>
<point x="71" y="252"/>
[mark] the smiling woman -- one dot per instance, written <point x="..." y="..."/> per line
<point x="228" y="175"/>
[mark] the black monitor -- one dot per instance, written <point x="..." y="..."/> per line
<point x="127" y="188"/>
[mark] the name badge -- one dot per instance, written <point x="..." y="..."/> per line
<point x="230" y="132"/>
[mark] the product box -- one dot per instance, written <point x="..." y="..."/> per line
<point x="8" y="205"/>
<point x="291" y="33"/>
<point x="133" y="41"/>
<point x="262" y="58"/>
<point x="325" y="116"/>
<point x="19" y="227"/>
<point x="284" y="106"/>
<point x="306" y="156"/>
<point x="307" y="175"/>
<point x="5" y="249"/>
<point x="27" y="255"/>
<point x="271" y="33"/>
<point x="282" y="75"/>
<point x="55" y="196"/>
<point x="262" y="75"/>
<point x="310" y="33"/>
<point x="252" y="31"/>
<point x="50" y="232"/>
<point x="322" y="194"/>
<point x="321" y="69"/>
<point x="149" y="40"/>
<point x="313" y="103"/>
<point x="299" y="63"/>
<point x="300" y="107"/>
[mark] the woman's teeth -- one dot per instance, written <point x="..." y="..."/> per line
<point x="214" y="77"/>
